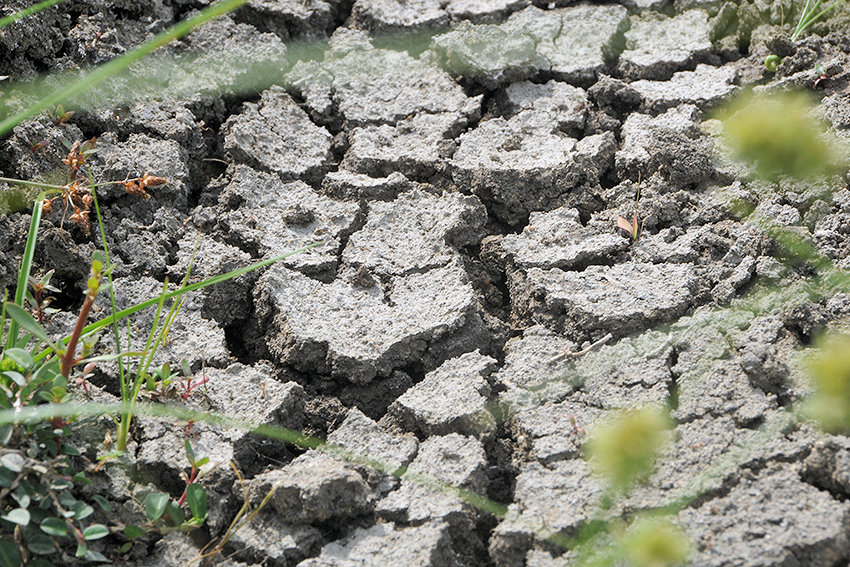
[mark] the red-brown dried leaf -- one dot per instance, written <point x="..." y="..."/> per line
<point x="81" y="217"/>
<point x="75" y="159"/>
<point x="135" y="190"/>
<point x="151" y="181"/>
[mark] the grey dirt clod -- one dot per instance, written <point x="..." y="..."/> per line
<point x="619" y="299"/>
<point x="428" y="545"/>
<point x="415" y="233"/>
<point x="268" y="217"/>
<point x="275" y="134"/>
<point x="358" y="333"/>
<point x="314" y="488"/>
<point x="451" y="399"/>
<point x="657" y="46"/>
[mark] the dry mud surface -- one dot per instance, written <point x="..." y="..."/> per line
<point x="475" y="311"/>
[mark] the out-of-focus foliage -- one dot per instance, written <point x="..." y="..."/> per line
<point x="779" y="135"/>
<point x="655" y="542"/>
<point x="829" y="371"/>
<point x="624" y="449"/>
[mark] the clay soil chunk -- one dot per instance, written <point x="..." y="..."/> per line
<point x="354" y="333"/>
<point x="364" y="437"/>
<point x="560" y="496"/>
<point x="570" y="44"/>
<point x="270" y="217"/>
<point x="451" y="399"/>
<point x="426" y="545"/>
<point x="670" y="143"/>
<point x="658" y="46"/>
<point x="557" y="239"/>
<point x="366" y="85"/>
<point x="524" y="164"/>
<point x="771" y="517"/>
<point x="416" y="147"/>
<point x="314" y="488"/>
<point x="275" y="134"/>
<point x="620" y="299"/>
<point x="270" y="540"/>
<point x="452" y="459"/>
<point x="705" y="87"/>
<point x="417" y="232"/>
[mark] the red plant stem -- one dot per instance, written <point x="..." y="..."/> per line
<point x="188" y="482"/>
<point x="68" y="358"/>
<point x="39" y="309"/>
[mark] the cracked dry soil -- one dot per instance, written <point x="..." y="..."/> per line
<point x="468" y="186"/>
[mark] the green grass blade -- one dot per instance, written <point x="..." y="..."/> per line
<point x="143" y="370"/>
<point x="25" y="268"/>
<point x="118" y="64"/>
<point x="26" y="12"/>
<point x="822" y="13"/>
<point x="122" y="379"/>
<point x="20" y="316"/>
<point x="36" y="184"/>
<point x="3" y="323"/>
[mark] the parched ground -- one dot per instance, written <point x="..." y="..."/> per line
<point x="475" y="312"/>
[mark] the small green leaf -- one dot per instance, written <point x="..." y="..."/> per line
<point x="82" y="548"/>
<point x="19" y="516"/>
<point x="196" y="496"/>
<point x="16" y="377"/>
<point x="22" y="498"/>
<point x="155" y="505"/>
<point x="61" y="484"/>
<point x="125" y="548"/>
<point x="190" y="454"/>
<point x="54" y="527"/>
<point x="175" y="514"/>
<point x="102" y="502"/>
<point x="82" y="511"/>
<point x="92" y="555"/>
<point x="67" y="500"/>
<point x="41" y="544"/>
<point x="132" y="532"/>
<point x="201" y="462"/>
<point x="7" y="477"/>
<point x="5" y="434"/>
<point x="73" y="451"/>
<point x="95" y="531"/>
<point x="10" y="555"/>
<point x="21" y="357"/>
<point x="12" y="461"/>
<point x="25" y="320"/>
<point x="111" y="357"/>
<point x="58" y="393"/>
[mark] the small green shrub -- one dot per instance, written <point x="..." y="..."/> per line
<point x="624" y="450"/>
<point x="829" y="371"/>
<point x="41" y="513"/>
<point x="779" y="135"/>
<point x="655" y="542"/>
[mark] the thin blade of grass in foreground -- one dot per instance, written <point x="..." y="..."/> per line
<point x="90" y="409"/>
<point x="27" y="12"/>
<point x="25" y="269"/>
<point x="118" y="64"/>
